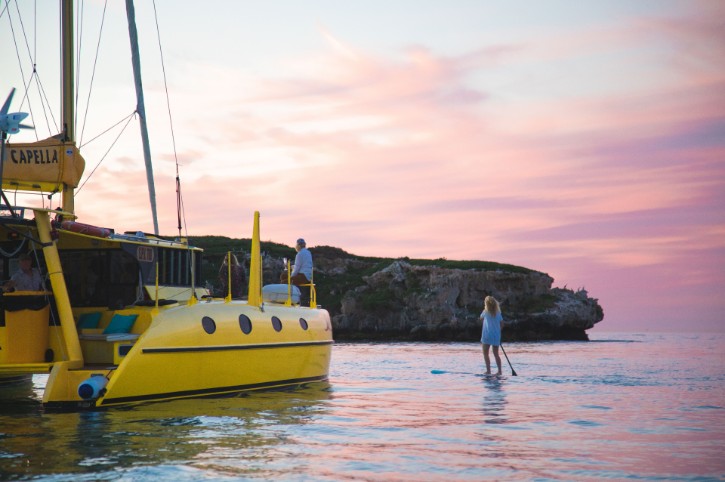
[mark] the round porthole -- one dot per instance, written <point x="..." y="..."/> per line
<point x="245" y="324"/>
<point x="276" y="323"/>
<point x="208" y="324"/>
<point x="303" y="323"/>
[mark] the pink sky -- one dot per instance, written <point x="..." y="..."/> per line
<point x="585" y="142"/>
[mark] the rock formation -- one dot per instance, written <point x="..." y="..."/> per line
<point x="403" y="301"/>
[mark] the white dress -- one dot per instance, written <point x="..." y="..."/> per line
<point x="491" y="334"/>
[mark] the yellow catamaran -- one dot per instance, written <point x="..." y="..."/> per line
<point x="120" y="319"/>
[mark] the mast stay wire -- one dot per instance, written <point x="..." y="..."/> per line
<point x="26" y="84"/>
<point x="128" y="121"/>
<point x="42" y="94"/>
<point x="93" y="73"/>
<point x="35" y="76"/>
<point x="179" y="200"/>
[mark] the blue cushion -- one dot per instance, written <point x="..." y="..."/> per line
<point x="120" y="324"/>
<point x="89" y="320"/>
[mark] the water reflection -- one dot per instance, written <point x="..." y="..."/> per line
<point x="186" y="431"/>
<point x="494" y="400"/>
<point x="18" y="399"/>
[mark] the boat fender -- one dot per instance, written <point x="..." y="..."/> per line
<point x="85" y="229"/>
<point x="277" y="293"/>
<point x="92" y="387"/>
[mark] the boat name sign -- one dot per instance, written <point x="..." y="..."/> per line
<point x="36" y="156"/>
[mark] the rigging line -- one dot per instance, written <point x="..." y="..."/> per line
<point x="166" y="86"/>
<point x="183" y="215"/>
<point x="180" y="208"/>
<point x="26" y="96"/>
<point x="17" y="53"/>
<point x="22" y="28"/>
<point x="93" y="74"/>
<point x="104" y="156"/>
<point x="20" y="62"/>
<point x="34" y="75"/>
<point x="114" y="125"/>
<point x="15" y="41"/>
<point x="45" y="103"/>
<point x="179" y="203"/>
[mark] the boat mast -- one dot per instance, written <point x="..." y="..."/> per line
<point x="68" y="88"/>
<point x="141" y="109"/>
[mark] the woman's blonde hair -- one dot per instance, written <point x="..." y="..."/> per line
<point x="491" y="305"/>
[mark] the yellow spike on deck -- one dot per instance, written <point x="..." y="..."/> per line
<point x="255" y="267"/>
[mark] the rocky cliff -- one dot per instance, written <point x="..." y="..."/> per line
<point x="434" y="303"/>
<point x="403" y="299"/>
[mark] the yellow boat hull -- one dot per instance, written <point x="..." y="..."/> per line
<point x="203" y="350"/>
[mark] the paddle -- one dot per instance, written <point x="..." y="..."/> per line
<point x="513" y="372"/>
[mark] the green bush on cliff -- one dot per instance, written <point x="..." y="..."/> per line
<point x="377" y="300"/>
<point x="469" y="264"/>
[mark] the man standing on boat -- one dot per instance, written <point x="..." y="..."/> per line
<point x="301" y="272"/>
<point x="26" y="278"/>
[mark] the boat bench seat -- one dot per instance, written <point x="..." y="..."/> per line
<point x="109" y="337"/>
<point x="106" y="348"/>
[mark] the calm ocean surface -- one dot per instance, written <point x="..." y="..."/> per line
<point x="624" y="406"/>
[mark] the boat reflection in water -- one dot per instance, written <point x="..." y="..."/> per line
<point x="188" y="433"/>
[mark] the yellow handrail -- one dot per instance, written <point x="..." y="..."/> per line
<point x="155" y="310"/>
<point x="313" y="294"/>
<point x="311" y="284"/>
<point x="289" y="286"/>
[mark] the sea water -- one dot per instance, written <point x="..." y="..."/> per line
<point x="624" y="406"/>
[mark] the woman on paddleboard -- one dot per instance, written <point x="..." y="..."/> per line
<point x="491" y="336"/>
